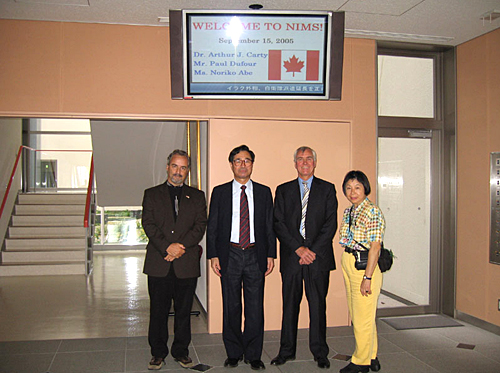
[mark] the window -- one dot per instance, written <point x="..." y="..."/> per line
<point x="62" y="153"/>
<point x="405" y="86"/>
<point x="119" y="226"/>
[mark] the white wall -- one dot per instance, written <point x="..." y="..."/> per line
<point x="10" y="133"/>
<point x="131" y="156"/>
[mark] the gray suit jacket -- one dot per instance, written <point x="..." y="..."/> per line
<point x="162" y="230"/>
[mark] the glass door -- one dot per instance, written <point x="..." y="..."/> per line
<point x="405" y="194"/>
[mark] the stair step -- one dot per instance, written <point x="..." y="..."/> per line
<point x="42" y="269"/>
<point x="46" y="236"/>
<point x="36" y="244"/>
<point x="47" y="232"/>
<point x="29" y="257"/>
<point x="46" y="221"/>
<point x="52" y="199"/>
<point x="78" y="210"/>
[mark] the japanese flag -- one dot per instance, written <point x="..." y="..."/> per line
<point x="290" y="65"/>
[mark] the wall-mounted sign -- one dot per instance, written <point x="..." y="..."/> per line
<point x="255" y="54"/>
<point x="495" y="208"/>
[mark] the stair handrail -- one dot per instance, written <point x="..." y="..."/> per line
<point x="88" y="221"/>
<point x="12" y="176"/>
<point x="90" y="187"/>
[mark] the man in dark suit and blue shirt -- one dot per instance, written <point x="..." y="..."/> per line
<point x="305" y="221"/>
<point x="241" y="246"/>
<point x="174" y="217"/>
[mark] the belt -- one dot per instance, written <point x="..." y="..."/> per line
<point x="240" y="247"/>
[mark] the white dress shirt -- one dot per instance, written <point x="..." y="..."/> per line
<point x="235" y="224"/>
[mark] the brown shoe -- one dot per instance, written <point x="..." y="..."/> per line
<point x="155" y="363"/>
<point x="184" y="361"/>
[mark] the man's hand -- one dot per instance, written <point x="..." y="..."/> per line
<point x="175" y="251"/>
<point x="170" y="258"/>
<point x="270" y="266"/>
<point x="306" y="256"/>
<point x="214" y="263"/>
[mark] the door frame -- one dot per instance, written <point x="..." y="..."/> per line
<point x="443" y="127"/>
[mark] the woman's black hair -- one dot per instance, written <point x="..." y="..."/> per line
<point x="359" y="176"/>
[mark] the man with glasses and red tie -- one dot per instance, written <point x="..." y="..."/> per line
<point x="241" y="246"/>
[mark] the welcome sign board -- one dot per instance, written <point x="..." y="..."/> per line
<point x="248" y="54"/>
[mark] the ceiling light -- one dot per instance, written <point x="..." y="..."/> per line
<point x="490" y="16"/>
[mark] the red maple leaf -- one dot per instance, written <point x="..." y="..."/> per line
<point x="293" y="65"/>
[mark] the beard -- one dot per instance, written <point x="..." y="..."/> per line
<point x="176" y="179"/>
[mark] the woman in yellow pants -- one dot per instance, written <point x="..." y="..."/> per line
<point x="362" y="228"/>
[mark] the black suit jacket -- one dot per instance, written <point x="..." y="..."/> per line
<point x="220" y="219"/>
<point x="162" y="230"/>
<point x="321" y="224"/>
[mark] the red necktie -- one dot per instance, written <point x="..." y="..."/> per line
<point x="244" y="220"/>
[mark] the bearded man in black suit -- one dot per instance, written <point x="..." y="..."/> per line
<point x="174" y="217"/>
<point x="305" y="222"/>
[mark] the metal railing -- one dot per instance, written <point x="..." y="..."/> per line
<point x="40" y="174"/>
<point x="89" y="220"/>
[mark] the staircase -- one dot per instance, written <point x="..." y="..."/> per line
<point x="46" y="236"/>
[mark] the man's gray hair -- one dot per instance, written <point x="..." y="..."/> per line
<point x="182" y="153"/>
<point x="302" y="149"/>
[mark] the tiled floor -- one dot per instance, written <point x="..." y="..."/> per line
<point x="79" y="326"/>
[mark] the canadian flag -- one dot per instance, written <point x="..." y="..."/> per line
<point x="293" y="65"/>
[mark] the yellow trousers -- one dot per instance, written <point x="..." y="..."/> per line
<point x="362" y="309"/>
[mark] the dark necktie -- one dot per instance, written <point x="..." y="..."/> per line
<point x="244" y="220"/>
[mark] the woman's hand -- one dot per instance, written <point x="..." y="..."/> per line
<point x="365" y="287"/>
<point x="373" y="254"/>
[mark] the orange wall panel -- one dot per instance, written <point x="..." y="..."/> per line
<point x="60" y="69"/>
<point x="478" y="134"/>
<point x="116" y="69"/>
<point x="273" y="166"/>
<point x="364" y="110"/>
<point x="30" y="66"/>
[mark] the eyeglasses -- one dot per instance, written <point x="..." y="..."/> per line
<point x="239" y="162"/>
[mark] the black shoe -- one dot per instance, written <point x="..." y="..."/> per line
<point x="184" y="361"/>
<point x="280" y="360"/>
<point x="256" y="364"/>
<point x="353" y="368"/>
<point x="155" y="363"/>
<point x="323" y="362"/>
<point x="375" y="365"/>
<point x="232" y="362"/>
